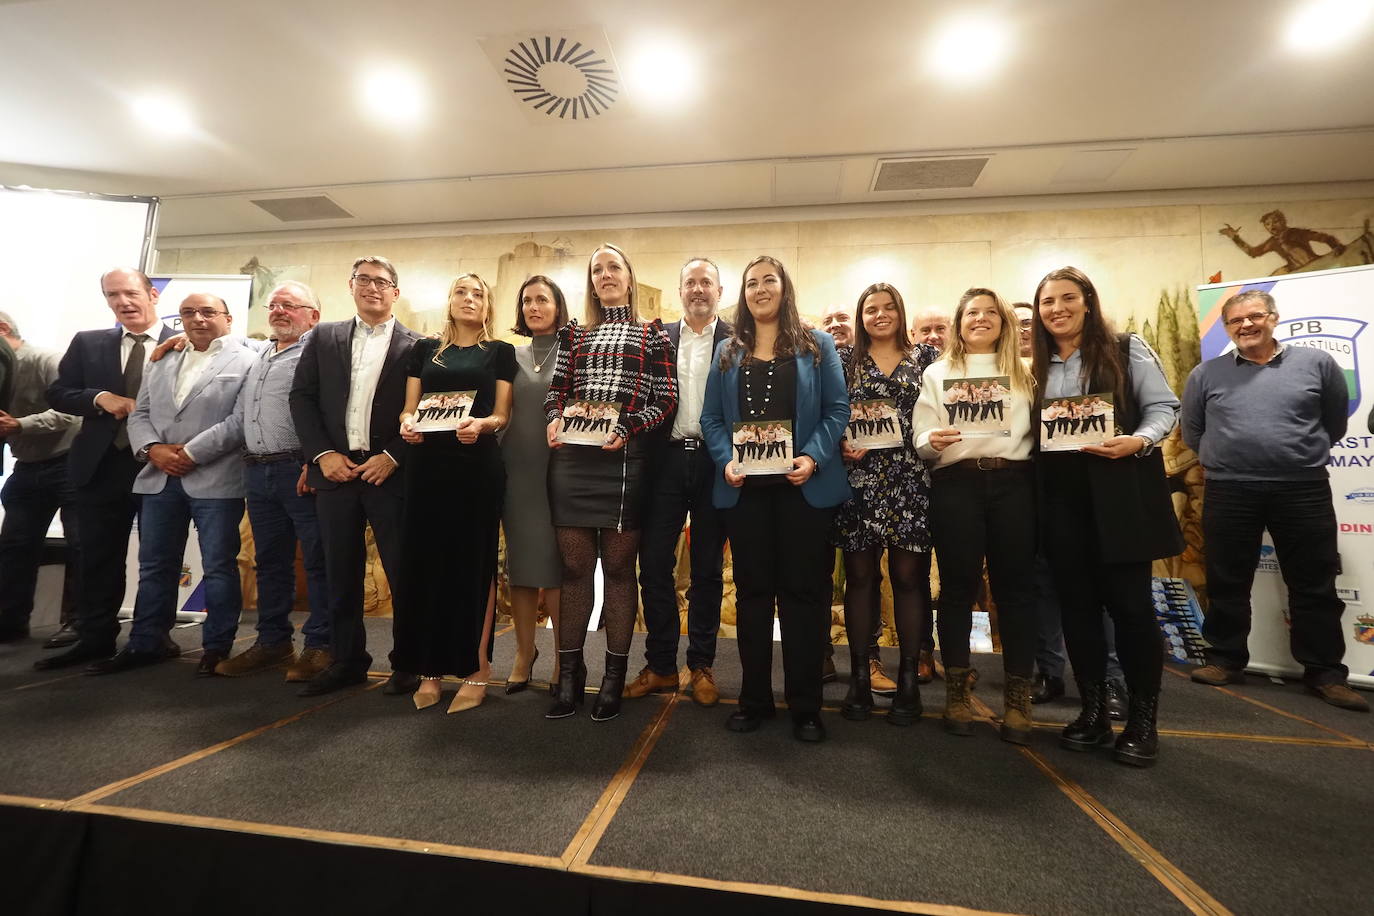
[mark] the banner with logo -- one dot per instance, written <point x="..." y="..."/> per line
<point x="1328" y="310"/>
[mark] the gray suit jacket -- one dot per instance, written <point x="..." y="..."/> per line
<point x="206" y="423"/>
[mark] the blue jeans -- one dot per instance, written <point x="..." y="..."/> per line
<point x="32" y="495"/>
<point x="279" y="518"/>
<point x="162" y="530"/>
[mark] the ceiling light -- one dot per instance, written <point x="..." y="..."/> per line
<point x="660" y="71"/>
<point x="1324" y="25"/>
<point x="163" y="113"/>
<point x="969" y="49"/>
<point x="393" y="95"/>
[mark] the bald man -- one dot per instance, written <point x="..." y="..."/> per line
<point x="931" y="326"/>
<point x="838" y="322"/>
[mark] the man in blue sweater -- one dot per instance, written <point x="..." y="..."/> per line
<point x="1262" y="420"/>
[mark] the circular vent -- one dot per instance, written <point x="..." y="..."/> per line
<point x="560" y="78"/>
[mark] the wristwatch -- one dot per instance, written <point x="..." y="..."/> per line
<point x="142" y="454"/>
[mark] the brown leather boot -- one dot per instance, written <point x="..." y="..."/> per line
<point x="1017" y="720"/>
<point x="958" y="708"/>
<point x="648" y="682"/>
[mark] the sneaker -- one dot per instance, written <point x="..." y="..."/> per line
<point x="1340" y="695"/>
<point x="704" y="692"/>
<point x="1218" y="675"/>
<point x="648" y="682"/>
<point x="255" y="658"/>
<point x="308" y="664"/>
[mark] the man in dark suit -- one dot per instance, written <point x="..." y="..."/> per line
<point x="682" y="477"/>
<point x="346" y="403"/>
<point x="98" y="380"/>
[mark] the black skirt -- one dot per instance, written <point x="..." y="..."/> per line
<point x="593" y="488"/>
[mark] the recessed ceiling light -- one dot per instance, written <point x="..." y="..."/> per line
<point x="393" y="95"/>
<point x="1324" y="25"/>
<point x="968" y="49"/>
<point x="163" y="113"/>
<point x="659" y="70"/>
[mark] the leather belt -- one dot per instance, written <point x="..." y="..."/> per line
<point x="273" y="458"/>
<point x="986" y="464"/>
<point x="689" y="444"/>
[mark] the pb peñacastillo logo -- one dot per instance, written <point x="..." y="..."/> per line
<point x="1334" y="335"/>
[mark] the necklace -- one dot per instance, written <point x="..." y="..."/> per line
<point x="749" y="388"/>
<point x="540" y="360"/>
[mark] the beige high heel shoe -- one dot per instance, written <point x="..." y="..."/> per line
<point x="422" y="698"/>
<point x="462" y="702"/>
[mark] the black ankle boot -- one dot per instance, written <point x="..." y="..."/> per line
<point x="572" y="685"/>
<point x="1093" y="727"/>
<point x="906" y="705"/>
<point x="1139" y="741"/>
<point x="607" y="705"/>
<point x="858" y="702"/>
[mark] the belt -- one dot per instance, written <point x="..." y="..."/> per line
<point x="273" y="458"/>
<point x="986" y="464"/>
<point x="689" y="444"/>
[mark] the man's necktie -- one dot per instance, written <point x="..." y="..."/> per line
<point x="133" y="377"/>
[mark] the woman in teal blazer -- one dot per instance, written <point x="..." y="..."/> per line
<point x="773" y="372"/>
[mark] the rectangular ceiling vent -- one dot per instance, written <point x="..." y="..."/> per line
<point x="303" y="209"/>
<point x="927" y="174"/>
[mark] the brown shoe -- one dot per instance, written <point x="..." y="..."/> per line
<point x="647" y="682"/>
<point x="925" y="667"/>
<point x="255" y="658"/>
<point x="310" y="663"/>
<point x="958" y="708"/>
<point x="1017" y="719"/>
<point x="1218" y="675"/>
<point x="880" y="683"/>
<point x="1340" y="695"/>
<point x="704" y="692"/>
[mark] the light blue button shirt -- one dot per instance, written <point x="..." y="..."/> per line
<point x="1158" y="404"/>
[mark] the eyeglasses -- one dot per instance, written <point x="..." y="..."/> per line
<point x="1253" y="318"/>
<point x="207" y="314"/>
<point x="286" y="307"/>
<point x="381" y="283"/>
<point x="1026" y="322"/>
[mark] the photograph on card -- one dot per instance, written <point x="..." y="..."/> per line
<point x="1068" y="424"/>
<point x="874" y="424"/>
<point x="442" y="411"/>
<point x="763" y="446"/>
<point x="588" y="422"/>
<point x="977" y="407"/>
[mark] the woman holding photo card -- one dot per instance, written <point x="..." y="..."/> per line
<point x="1105" y="509"/>
<point x="890" y="507"/>
<point x="773" y="373"/>
<point x="613" y="360"/>
<point x="983" y="506"/>
<point x="455" y="482"/>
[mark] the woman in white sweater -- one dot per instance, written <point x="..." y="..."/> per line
<point x="983" y="505"/>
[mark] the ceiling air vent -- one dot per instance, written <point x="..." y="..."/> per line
<point x="558" y="76"/>
<point x="303" y="209"/>
<point x="927" y="174"/>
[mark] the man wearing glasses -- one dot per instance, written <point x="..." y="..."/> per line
<point x="185" y="430"/>
<point x="281" y="507"/>
<point x="1262" y="420"/>
<point x="346" y="403"/>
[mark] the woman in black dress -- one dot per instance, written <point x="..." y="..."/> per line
<point x="455" y="483"/>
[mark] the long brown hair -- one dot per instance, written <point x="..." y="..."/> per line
<point x="448" y="337"/>
<point x="1008" y="349"/>
<point x="793" y="337"/>
<point x="592" y="312"/>
<point x="1102" y="369"/>
<point x="862" y="341"/>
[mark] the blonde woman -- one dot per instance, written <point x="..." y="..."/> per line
<point x="455" y="483"/>
<point x="983" y="505"/>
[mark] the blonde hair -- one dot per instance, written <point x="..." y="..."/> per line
<point x="1008" y="349"/>
<point x="448" y="337"/>
<point x="592" y="313"/>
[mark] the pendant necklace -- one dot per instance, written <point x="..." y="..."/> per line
<point x="539" y="361"/>
<point x="749" y="388"/>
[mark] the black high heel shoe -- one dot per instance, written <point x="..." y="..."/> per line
<point x="571" y="689"/>
<point x="517" y="686"/>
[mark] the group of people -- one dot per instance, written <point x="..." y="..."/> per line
<point x="1075" y="417"/>
<point x="975" y="401"/>
<point x="315" y="430"/>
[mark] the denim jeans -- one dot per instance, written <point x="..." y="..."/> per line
<point x="279" y="518"/>
<point x="162" y="531"/>
<point x="32" y="495"/>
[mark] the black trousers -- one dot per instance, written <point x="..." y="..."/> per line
<point x="1302" y="522"/>
<point x="783" y="563"/>
<point x="32" y="495"/>
<point x="1086" y="585"/>
<point x="344" y="513"/>
<point x="679" y="484"/>
<point x="105" y="512"/>
<point x="977" y="514"/>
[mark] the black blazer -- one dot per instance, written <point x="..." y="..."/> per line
<point x="91" y="365"/>
<point x="319" y="397"/>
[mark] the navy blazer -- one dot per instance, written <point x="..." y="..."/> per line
<point x="822" y="413"/>
<point x="91" y="365"/>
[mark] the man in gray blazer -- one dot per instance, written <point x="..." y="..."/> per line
<point x="186" y="430"/>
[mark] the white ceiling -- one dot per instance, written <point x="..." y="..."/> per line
<point x="796" y="103"/>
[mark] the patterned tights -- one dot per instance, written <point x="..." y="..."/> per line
<point x="618" y="550"/>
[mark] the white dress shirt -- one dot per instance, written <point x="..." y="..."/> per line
<point x="370" y="345"/>
<point x="126" y="346"/>
<point x="693" y="365"/>
<point x="193" y="363"/>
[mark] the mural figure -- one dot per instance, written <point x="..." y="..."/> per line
<point x="1294" y="245"/>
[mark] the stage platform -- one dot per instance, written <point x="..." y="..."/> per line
<point x="156" y="792"/>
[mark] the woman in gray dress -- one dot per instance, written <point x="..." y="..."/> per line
<point x="533" y="563"/>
